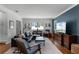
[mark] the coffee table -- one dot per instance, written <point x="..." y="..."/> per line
<point x="40" y="39"/>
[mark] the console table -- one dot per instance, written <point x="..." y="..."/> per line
<point x="58" y="38"/>
<point x="64" y="40"/>
<point x="68" y="40"/>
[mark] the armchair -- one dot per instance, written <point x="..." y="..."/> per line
<point x="23" y="47"/>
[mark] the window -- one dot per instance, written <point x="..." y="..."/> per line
<point x="36" y="26"/>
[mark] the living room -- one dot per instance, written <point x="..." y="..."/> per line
<point x="48" y="27"/>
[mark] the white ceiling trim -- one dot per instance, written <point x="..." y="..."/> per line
<point x="66" y="10"/>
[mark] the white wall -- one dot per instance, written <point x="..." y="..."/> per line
<point x="41" y="21"/>
<point x="7" y="32"/>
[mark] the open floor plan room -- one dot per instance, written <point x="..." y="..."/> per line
<point x="39" y="29"/>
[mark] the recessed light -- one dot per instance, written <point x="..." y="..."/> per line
<point x="16" y="11"/>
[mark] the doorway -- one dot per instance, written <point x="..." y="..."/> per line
<point x="18" y="27"/>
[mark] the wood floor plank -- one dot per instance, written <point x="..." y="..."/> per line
<point x="4" y="47"/>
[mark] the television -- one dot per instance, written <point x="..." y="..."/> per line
<point x="60" y="27"/>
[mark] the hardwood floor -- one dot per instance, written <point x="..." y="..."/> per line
<point x="64" y="50"/>
<point x="4" y="47"/>
<point x="61" y="48"/>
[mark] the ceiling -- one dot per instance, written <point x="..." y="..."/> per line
<point x="38" y="10"/>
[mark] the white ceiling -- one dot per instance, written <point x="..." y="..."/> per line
<point x="38" y="10"/>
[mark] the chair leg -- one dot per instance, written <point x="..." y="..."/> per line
<point x="40" y="51"/>
<point x="40" y="48"/>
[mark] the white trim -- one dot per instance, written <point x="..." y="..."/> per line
<point x="66" y="10"/>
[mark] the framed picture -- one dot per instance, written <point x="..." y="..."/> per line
<point x="11" y="24"/>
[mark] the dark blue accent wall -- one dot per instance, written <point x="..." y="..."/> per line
<point x="71" y="17"/>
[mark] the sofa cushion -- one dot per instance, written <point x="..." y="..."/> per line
<point x="32" y="50"/>
<point x="24" y="41"/>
